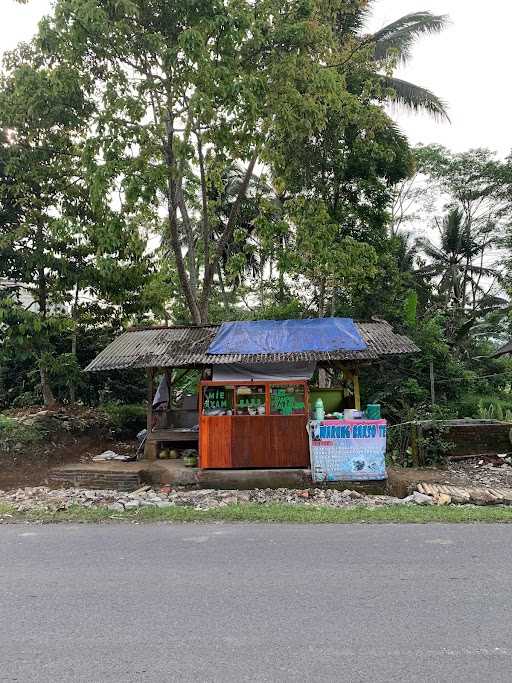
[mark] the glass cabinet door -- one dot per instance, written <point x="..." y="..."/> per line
<point x="218" y="400"/>
<point x="250" y="399"/>
<point x="287" y="399"/>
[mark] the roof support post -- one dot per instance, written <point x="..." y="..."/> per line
<point x="150" y="447"/>
<point x="357" y="392"/>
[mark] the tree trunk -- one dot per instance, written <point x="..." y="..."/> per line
<point x="280" y="294"/>
<point x="48" y="397"/>
<point x="74" y="342"/>
<point x="72" y="385"/>
<point x="225" y="238"/>
<point x="225" y="300"/>
<point x="42" y="301"/>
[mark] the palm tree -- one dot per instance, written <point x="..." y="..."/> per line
<point x="458" y="262"/>
<point x="395" y="41"/>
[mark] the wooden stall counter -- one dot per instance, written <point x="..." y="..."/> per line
<point x="253" y="425"/>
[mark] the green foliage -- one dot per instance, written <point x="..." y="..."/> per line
<point x="434" y="444"/>
<point x="126" y="418"/>
<point x="490" y="408"/>
<point x="411" y="309"/>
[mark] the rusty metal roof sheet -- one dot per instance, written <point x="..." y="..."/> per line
<point x="186" y="346"/>
<point x="503" y="351"/>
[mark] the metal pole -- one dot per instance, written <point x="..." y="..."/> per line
<point x="432" y="385"/>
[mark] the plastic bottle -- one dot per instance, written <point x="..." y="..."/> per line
<point x="319" y="410"/>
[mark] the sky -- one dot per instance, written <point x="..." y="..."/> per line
<point x="467" y="66"/>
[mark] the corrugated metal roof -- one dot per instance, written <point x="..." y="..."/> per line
<point x="186" y="346"/>
<point x="503" y="351"/>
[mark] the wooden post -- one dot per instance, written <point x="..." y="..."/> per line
<point x="357" y="392"/>
<point x="150" y="447"/>
<point x="168" y="376"/>
<point x="414" y="445"/>
<point x="432" y="386"/>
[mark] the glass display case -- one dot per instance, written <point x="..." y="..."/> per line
<point x="287" y="399"/>
<point x="251" y="400"/>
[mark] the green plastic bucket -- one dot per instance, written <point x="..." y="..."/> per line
<point x="373" y="411"/>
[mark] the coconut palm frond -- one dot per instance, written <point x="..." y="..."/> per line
<point x="491" y="303"/>
<point x="481" y="270"/>
<point x="415" y="97"/>
<point x="454" y="239"/>
<point x="399" y="36"/>
<point x="431" y="270"/>
<point x="430" y="250"/>
<point x="406" y="251"/>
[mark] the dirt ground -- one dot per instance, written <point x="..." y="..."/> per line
<point x="31" y="468"/>
<point x="75" y="435"/>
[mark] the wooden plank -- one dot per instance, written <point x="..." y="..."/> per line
<point x="506" y="495"/>
<point x="430" y="489"/>
<point x="496" y="494"/>
<point x="250" y="442"/>
<point x="459" y="495"/>
<point x="215" y="442"/>
<point x="289" y="441"/>
<point x="357" y="391"/>
<point x="168" y="435"/>
<point x="481" y="496"/>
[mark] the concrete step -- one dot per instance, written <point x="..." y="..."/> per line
<point x="97" y="476"/>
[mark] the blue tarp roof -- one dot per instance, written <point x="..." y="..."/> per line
<point x="287" y="336"/>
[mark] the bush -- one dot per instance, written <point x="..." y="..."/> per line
<point x="129" y="418"/>
<point x="486" y="406"/>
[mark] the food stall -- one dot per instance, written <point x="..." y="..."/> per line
<point x="258" y="416"/>
<point x="257" y="399"/>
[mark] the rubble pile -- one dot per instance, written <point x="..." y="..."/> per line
<point x="44" y="499"/>
<point x="488" y="471"/>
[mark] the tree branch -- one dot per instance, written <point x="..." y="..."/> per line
<point x="172" y="202"/>
<point x="226" y="236"/>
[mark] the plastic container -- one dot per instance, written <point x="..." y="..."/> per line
<point x="332" y="399"/>
<point x="319" y="410"/>
<point x="373" y="411"/>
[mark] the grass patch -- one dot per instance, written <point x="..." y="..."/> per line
<point x="269" y="513"/>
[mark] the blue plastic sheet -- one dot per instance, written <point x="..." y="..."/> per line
<point x="287" y="336"/>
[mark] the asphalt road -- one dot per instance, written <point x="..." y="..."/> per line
<point x="223" y="602"/>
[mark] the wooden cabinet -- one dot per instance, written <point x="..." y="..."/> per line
<point x="233" y="441"/>
<point x="253" y="442"/>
